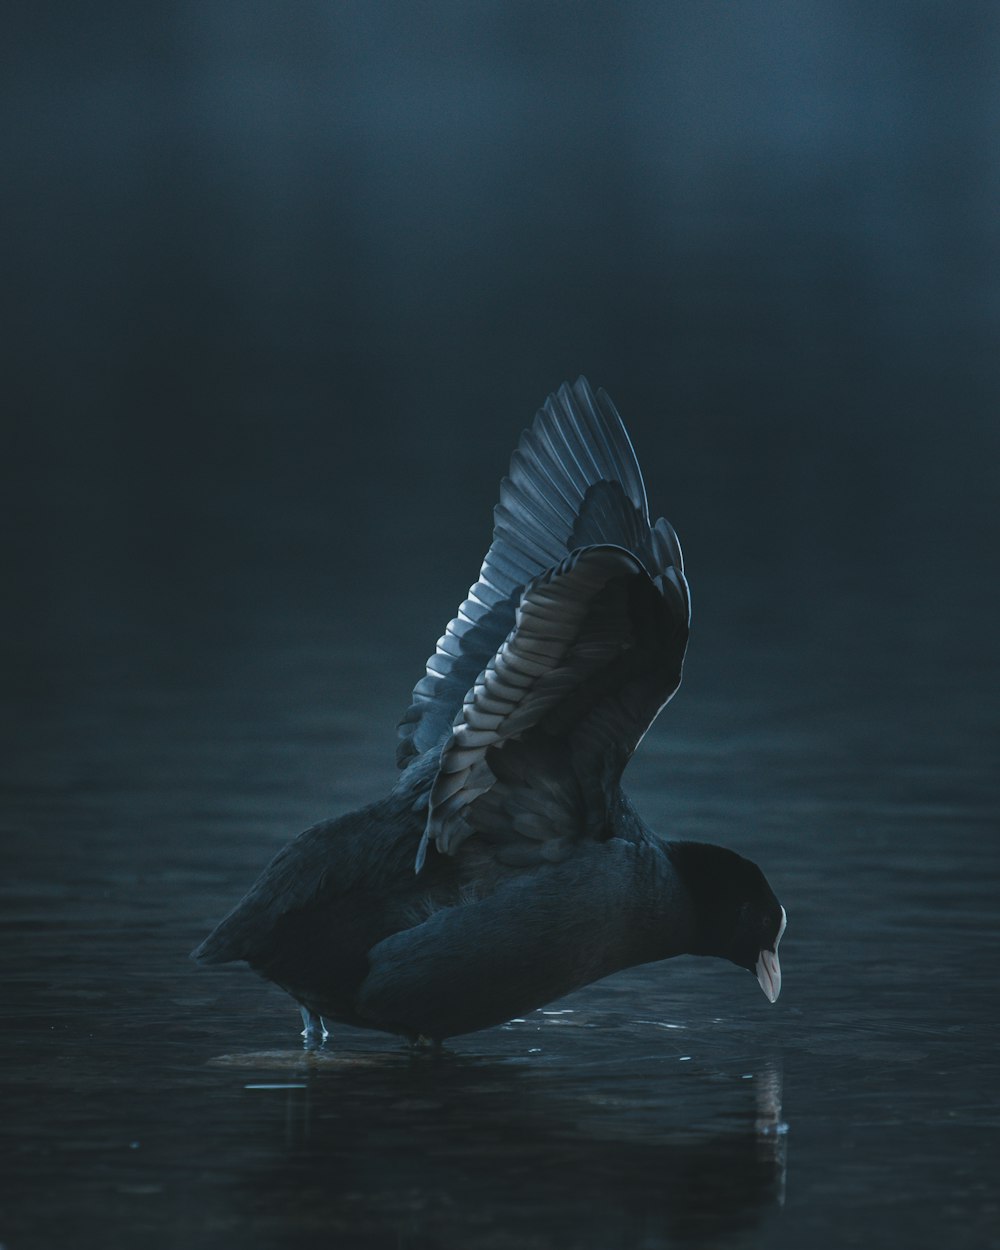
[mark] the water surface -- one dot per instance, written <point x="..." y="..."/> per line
<point x="147" y="1101"/>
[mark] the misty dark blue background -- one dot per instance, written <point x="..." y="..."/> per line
<point x="283" y="283"/>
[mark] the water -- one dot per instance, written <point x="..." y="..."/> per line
<point x="147" y="1101"/>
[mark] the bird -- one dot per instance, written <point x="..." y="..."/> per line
<point x="507" y="867"/>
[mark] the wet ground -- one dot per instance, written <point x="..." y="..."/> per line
<point x="149" y="1102"/>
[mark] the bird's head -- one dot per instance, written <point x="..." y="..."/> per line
<point x="736" y="915"/>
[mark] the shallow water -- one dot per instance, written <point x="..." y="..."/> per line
<point x="149" y="1101"/>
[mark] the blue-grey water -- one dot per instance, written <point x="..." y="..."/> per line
<point x="147" y="1101"/>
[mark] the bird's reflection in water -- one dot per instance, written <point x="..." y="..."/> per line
<point x="770" y="1129"/>
<point x="455" y="1152"/>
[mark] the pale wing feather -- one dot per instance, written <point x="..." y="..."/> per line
<point x="544" y="732"/>
<point x="548" y="507"/>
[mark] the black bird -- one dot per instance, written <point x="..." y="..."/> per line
<point x="507" y="867"/>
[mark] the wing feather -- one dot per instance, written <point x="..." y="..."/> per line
<point x="596" y="650"/>
<point x="577" y="442"/>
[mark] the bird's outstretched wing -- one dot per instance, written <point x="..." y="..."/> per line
<point x="567" y="647"/>
<point x="573" y="482"/>
<point x="534" y="757"/>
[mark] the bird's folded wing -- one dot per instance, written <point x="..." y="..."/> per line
<point x="574" y="481"/>
<point x="535" y="753"/>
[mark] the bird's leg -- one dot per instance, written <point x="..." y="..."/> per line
<point x="314" y="1029"/>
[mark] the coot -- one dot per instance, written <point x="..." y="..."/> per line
<point x="507" y="866"/>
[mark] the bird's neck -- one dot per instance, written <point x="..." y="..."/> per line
<point x="667" y="907"/>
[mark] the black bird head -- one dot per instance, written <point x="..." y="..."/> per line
<point x="736" y="914"/>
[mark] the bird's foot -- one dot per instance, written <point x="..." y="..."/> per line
<point x="314" y="1031"/>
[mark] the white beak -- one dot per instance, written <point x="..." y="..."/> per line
<point x="768" y="968"/>
<point x="769" y="975"/>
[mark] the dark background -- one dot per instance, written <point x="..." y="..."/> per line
<point x="284" y="282"/>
